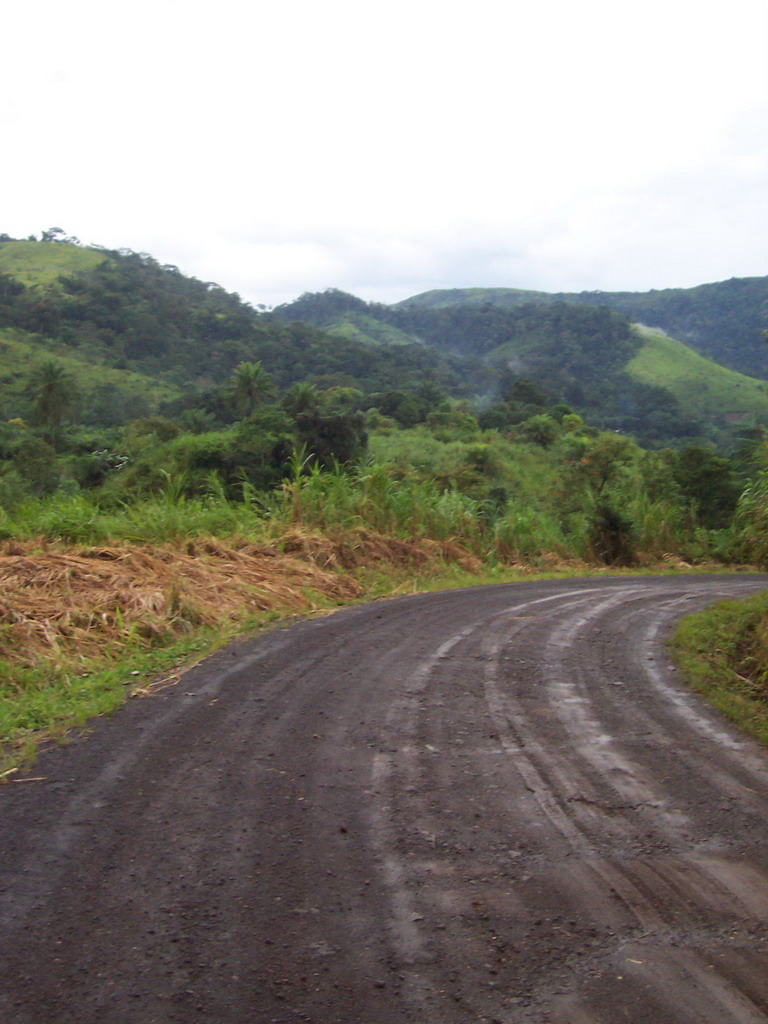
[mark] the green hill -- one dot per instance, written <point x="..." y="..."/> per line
<point x="137" y="335"/>
<point x="446" y="298"/>
<point x="368" y="330"/>
<point x="111" y="395"/>
<point x="120" y="320"/>
<point x="723" y="321"/>
<point x="698" y="384"/>
<point x="41" y="264"/>
<point x="580" y="352"/>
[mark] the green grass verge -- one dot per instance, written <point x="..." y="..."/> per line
<point x="45" y="704"/>
<point x="723" y="653"/>
<point x="75" y="519"/>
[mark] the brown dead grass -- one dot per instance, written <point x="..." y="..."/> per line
<point x="354" y="549"/>
<point x="59" y="603"/>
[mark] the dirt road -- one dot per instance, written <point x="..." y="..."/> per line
<point x="480" y="805"/>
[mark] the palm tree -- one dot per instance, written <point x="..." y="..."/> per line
<point x="300" y="397"/>
<point x="249" y="386"/>
<point x="54" y="396"/>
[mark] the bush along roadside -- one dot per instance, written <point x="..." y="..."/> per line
<point x="722" y="652"/>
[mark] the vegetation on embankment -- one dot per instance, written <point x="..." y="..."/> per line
<point x="105" y="588"/>
<point x="97" y="603"/>
<point x="723" y="653"/>
<point x="86" y="627"/>
<point x="83" y="626"/>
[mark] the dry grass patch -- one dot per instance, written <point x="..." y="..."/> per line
<point x="62" y="602"/>
<point x="360" y="548"/>
<point x="59" y="603"/>
<point x="83" y="628"/>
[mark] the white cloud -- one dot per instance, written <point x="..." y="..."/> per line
<point x="389" y="149"/>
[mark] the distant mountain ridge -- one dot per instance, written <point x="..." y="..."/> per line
<point x="113" y="314"/>
<point x="723" y="321"/>
<point x="140" y="335"/>
<point x="583" y="350"/>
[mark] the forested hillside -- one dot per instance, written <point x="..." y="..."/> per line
<point x="119" y="372"/>
<point x="125" y="310"/>
<point x="724" y="321"/>
<point x="140" y="337"/>
<point x="586" y="355"/>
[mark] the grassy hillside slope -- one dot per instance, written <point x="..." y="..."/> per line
<point x="120" y="320"/>
<point x="698" y="384"/>
<point x="639" y="381"/>
<point x="445" y="298"/>
<point x="123" y="309"/>
<point x="368" y="330"/>
<point x="21" y="352"/>
<point x="41" y="263"/>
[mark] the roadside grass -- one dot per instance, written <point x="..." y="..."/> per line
<point x="77" y="519"/>
<point x="52" y="688"/>
<point x="89" y="596"/>
<point x="77" y="620"/>
<point x="86" y="627"/>
<point x="722" y="653"/>
<point x="52" y="702"/>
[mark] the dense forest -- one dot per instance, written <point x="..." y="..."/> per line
<point x="724" y="320"/>
<point x="130" y="311"/>
<point x="587" y="356"/>
<point x="126" y="312"/>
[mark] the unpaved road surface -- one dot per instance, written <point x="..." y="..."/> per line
<point x="483" y="805"/>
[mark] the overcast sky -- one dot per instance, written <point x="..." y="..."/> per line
<point x="389" y="148"/>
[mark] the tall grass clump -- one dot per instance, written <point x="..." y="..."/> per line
<point x="75" y="518"/>
<point x="662" y="527"/>
<point x="750" y="540"/>
<point x="374" y="497"/>
<point x="525" y="533"/>
<point x="81" y="519"/>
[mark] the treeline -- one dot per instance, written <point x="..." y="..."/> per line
<point x="537" y="464"/>
<point x="575" y="353"/>
<point x="127" y="311"/>
<point x="522" y="480"/>
<point x="724" y="321"/>
<point x="135" y="313"/>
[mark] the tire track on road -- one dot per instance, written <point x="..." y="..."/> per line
<point x="436" y="808"/>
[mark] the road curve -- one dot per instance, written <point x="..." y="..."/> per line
<point x="486" y="805"/>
